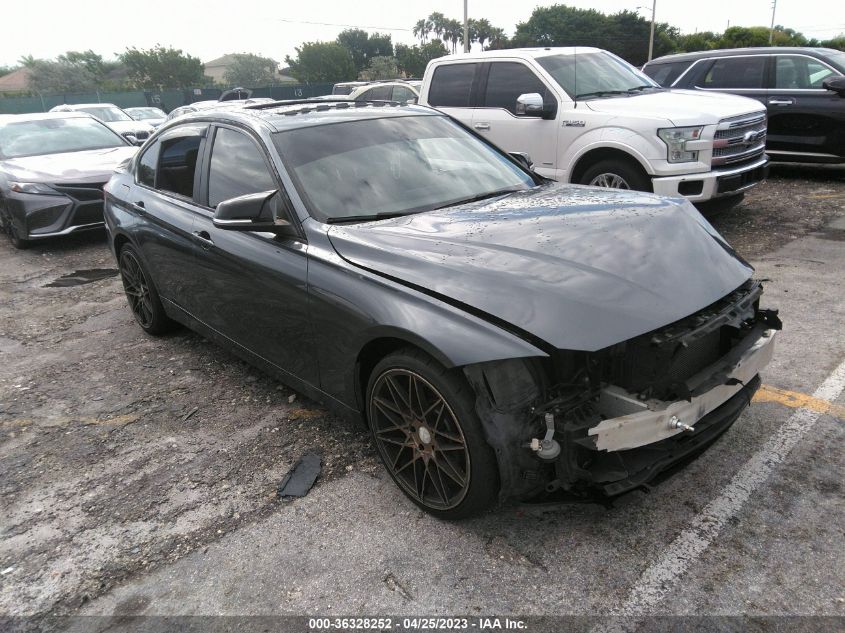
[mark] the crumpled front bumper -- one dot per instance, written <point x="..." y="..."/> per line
<point x="645" y="422"/>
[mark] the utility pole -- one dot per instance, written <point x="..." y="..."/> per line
<point x="651" y="37"/>
<point x="466" y="28"/>
<point x="772" y="30"/>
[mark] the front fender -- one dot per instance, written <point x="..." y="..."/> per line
<point x="618" y="138"/>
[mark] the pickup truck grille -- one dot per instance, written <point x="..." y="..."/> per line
<point x="739" y="139"/>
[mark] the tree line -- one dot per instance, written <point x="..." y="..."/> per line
<point x="357" y="54"/>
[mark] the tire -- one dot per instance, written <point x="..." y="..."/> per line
<point x="622" y="175"/>
<point x="141" y="294"/>
<point x="423" y="421"/>
<point x="14" y="237"/>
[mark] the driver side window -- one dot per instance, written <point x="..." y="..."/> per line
<point x="237" y="167"/>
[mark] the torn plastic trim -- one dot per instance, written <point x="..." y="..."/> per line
<point x="636" y="423"/>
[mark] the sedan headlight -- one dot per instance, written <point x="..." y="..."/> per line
<point x="676" y="141"/>
<point x="33" y="187"/>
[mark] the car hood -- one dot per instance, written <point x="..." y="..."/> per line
<point x="94" y="165"/>
<point x="681" y="107"/>
<point x="577" y="267"/>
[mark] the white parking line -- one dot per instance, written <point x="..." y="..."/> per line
<point x="659" y="578"/>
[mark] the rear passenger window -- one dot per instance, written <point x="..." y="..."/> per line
<point x="403" y="94"/>
<point x="178" y="165"/>
<point x="451" y="86"/>
<point x="508" y="80"/>
<point x="736" y="72"/>
<point x="379" y="93"/>
<point x="237" y="168"/>
<point x="146" y="172"/>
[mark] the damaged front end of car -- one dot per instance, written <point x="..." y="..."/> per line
<point x="612" y="420"/>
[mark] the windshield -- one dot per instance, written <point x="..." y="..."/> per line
<point x="595" y="75"/>
<point x="106" y="114"/>
<point x="393" y="166"/>
<point x="55" y="136"/>
<point x="837" y="58"/>
<point x="139" y="114"/>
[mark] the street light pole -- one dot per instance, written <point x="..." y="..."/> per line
<point x="466" y="28"/>
<point x="651" y="37"/>
<point x="772" y="30"/>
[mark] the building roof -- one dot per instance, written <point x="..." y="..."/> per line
<point x="15" y="81"/>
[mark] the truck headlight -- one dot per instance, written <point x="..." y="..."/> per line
<point x="33" y="187"/>
<point x="676" y="141"/>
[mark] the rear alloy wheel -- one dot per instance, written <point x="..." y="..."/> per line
<point x="615" y="174"/>
<point x="141" y="294"/>
<point x="429" y="437"/>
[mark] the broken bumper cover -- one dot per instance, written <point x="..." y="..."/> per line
<point x="652" y="421"/>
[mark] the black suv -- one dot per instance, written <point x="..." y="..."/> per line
<point x="803" y="89"/>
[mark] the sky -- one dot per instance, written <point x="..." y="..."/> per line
<point x="47" y="28"/>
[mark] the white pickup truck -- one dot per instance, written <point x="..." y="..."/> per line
<point x="586" y="116"/>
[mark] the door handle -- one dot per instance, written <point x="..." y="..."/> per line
<point x="781" y="102"/>
<point x="139" y="204"/>
<point x="482" y="126"/>
<point x="204" y="237"/>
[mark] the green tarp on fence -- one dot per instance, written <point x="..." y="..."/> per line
<point x="167" y="100"/>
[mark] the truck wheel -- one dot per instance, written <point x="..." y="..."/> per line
<point x="423" y="421"/>
<point x="615" y="174"/>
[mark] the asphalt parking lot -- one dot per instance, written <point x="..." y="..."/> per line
<point x="138" y="475"/>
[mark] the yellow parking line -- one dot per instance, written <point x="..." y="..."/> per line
<point x="797" y="400"/>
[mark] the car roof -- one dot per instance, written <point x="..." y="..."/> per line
<point x="522" y="53"/>
<point x="282" y="116"/>
<point x="730" y="52"/>
<point x="77" y="106"/>
<point x="40" y="116"/>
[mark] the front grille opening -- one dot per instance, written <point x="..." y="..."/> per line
<point x="691" y="187"/>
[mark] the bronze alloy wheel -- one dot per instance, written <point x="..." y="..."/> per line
<point x="137" y="289"/>
<point x="420" y="439"/>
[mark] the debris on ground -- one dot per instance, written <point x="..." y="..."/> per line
<point x="79" y="277"/>
<point x="299" y="479"/>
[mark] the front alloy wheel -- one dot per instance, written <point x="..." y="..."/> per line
<point x="613" y="181"/>
<point x="420" y="439"/>
<point x="424" y="425"/>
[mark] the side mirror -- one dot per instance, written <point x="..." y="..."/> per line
<point x="523" y="159"/>
<point x="132" y="139"/>
<point x="531" y="104"/>
<point x="252" y="212"/>
<point x="835" y="84"/>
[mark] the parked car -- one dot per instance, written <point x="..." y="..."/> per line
<point x="586" y="116"/>
<point x="803" y="90"/>
<point x="400" y="91"/>
<point x="214" y="104"/>
<point x="503" y="335"/>
<point x="136" y="132"/>
<point x="149" y="115"/>
<point x="52" y="171"/>
<point x="346" y="87"/>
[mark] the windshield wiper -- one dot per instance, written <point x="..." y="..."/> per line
<point x="600" y="93"/>
<point x="639" y="88"/>
<point x="481" y="196"/>
<point x="365" y="218"/>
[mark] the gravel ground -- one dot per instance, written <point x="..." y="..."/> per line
<point x="121" y="453"/>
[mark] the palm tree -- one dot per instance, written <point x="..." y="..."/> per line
<point x="497" y="38"/>
<point x="483" y="31"/>
<point x="438" y="23"/>
<point x="453" y="31"/>
<point x="421" y="30"/>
